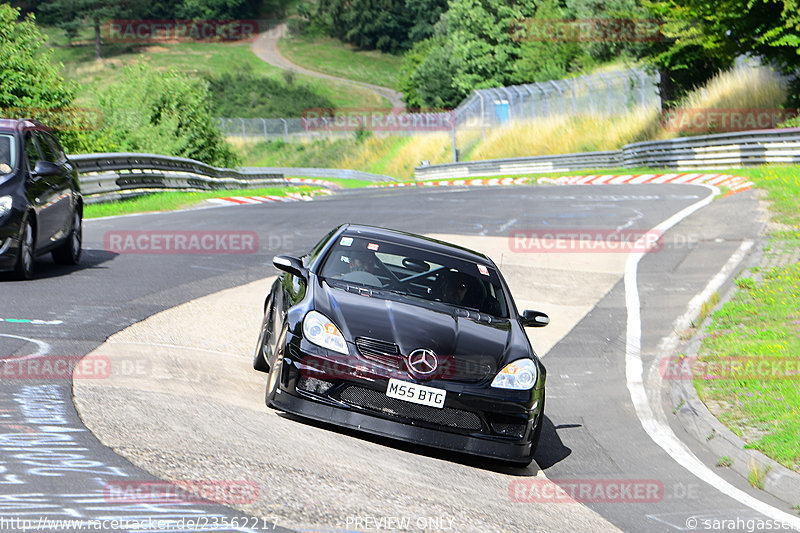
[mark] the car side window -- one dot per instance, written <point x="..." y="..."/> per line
<point x="58" y="151"/>
<point x="46" y="146"/>
<point x="31" y="151"/>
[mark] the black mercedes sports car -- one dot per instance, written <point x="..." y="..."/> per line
<point x="407" y="337"/>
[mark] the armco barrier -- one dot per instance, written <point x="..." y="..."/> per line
<point x="105" y="177"/>
<point x="722" y="150"/>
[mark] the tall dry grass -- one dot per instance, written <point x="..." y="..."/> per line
<point x="740" y="88"/>
<point x="744" y="88"/>
<point x="568" y="134"/>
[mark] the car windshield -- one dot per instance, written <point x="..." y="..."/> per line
<point x="7" y="151"/>
<point x="380" y="265"/>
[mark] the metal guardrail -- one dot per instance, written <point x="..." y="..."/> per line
<point x="105" y="177"/>
<point x="324" y="173"/>
<point x="717" y="151"/>
<point x="521" y="165"/>
<point x="721" y="150"/>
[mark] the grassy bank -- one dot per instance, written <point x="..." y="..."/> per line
<point x="331" y="56"/>
<point x="202" y="59"/>
<point x="760" y="325"/>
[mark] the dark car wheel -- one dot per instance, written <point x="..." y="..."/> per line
<point x="24" y="267"/>
<point x="275" y="364"/>
<point x="69" y="253"/>
<point x="262" y="355"/>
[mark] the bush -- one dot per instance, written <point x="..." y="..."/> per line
<point x="160" y="112"/>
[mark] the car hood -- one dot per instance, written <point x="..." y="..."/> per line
<point x="484" y="343"/>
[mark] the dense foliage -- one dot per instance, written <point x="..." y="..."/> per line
<point x="162" y="112"/>
<point x="386" y="25"/>
<point x="454" y="47"/>
<point x="29" y="79"/>
<point x="247" y="95"/>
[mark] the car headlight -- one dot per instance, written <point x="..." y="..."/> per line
<point x="5" y="205"/>
<point x="519" y="375"/>
<point x="317" y="328"/>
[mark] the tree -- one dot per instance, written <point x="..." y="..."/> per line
<point x="368" y="24"/>
<point x="426" y="77"/>
<point x="30" y="81"/>
<point x="169" y="113"/>
<point x="71" y="15"/>
<point x="704" y="37"/>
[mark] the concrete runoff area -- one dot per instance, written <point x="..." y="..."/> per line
<point x="184" y="403"/>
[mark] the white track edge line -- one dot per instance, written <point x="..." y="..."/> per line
<point x="658" y="431"/>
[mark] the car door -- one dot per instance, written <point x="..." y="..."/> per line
<point x="60" y="184"/>
<point x="39" y="192"/>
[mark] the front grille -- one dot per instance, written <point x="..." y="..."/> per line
<point x="379" y="402"/>
<point x="385" y="353"/>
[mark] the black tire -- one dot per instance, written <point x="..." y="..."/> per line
<point x="23" y="269"/>
<point x="262" y="355"/>
<point x="275" y="365"/>
<point x="69" y="253"/>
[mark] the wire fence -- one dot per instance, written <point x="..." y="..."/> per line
<point x="607" y="93"/>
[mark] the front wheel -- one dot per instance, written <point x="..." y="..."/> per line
<point x="69" y="253"/>
<point x="274" y="378"/>
<point x="24" y="266"/>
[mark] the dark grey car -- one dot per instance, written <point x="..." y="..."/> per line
<point x="41" y="208"/>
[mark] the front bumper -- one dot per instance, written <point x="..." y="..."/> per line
<point x="475" y="419"/>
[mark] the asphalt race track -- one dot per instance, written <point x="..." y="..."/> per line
<point x="53" y="468"/>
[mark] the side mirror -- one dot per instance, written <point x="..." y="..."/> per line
<point x="45" y="168"/>
<point x="292" y="265"/>
<point x="534" y="319"/>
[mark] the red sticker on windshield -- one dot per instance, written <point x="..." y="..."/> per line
<point x="483" y="270"/>
<point x="372" y="246"/>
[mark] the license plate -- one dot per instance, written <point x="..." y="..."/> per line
<point x="411" y="392"/>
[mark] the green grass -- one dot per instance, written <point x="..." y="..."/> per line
<point x="170" y="201"/>
<point x="324" y="154"/>
<point x="195" y="58"/>
<point x="331" y="56"/>
<point x="761" y="323"/>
